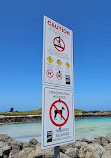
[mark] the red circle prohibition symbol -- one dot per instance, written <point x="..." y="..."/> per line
<point x="65" y="120"/>
<point x="50" y="73"/>
<point x="59" y="76"/>
<point x="58" y="46"/>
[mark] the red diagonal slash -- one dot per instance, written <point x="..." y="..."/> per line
<point x="59" y="43"/>
<point x="59" y="113"/>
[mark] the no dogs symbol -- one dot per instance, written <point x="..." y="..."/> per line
<point x="59" y="44"/>
<point x="59" y="113"/>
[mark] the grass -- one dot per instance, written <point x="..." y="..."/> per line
<point x="39" y="112"/>
<point x="20" y="113"/>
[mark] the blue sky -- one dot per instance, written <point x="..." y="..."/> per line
<point x="21" y="42"/>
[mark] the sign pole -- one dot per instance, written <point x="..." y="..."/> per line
<point x="57" y="152"/>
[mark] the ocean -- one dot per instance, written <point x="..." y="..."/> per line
<point x="88" y="128"/>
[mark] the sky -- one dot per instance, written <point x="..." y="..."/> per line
<point x="21" y="51"/>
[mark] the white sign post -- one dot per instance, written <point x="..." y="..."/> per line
<point x="57" y="103"/>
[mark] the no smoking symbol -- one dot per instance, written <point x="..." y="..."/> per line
<point x="59" y="44"/>
<point x="55" y="107"/>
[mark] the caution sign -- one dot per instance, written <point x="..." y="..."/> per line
<point x="60" y="108"/>
<point x="50" y="73"/>
<point x="50" y="60"/>
<point x="58" y="116"/>
<point x="59" y="44"/>
<point x="59" y="75"/>
<point x="57" y="54"/>
<point x="59" y="62"/>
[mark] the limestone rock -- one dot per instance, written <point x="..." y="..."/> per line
<point x="26" y="153"/>
<point x="63" y="155"/>
<point x="108" y="147"/>
<point x="97" y="140"/>
<point x="46" y="153"/>
<point x="1" y="152"/>
<point x="72" y="152"/>
<point x="3" y="144"/>
<point x="5" y="138"/>
<point x="13" y="155"/>
<point x="91" y="151"/>
<point x="106" y="155"/>
<point x="26" y="145"/>
<point x="109" y="139"/>
<point x="104" y="141"/>
<point x="64" y="148"/>
<point x="78" y="144"/>
<point x="85" y="152"/>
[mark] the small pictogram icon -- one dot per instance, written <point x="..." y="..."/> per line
<point x="50" y="60"/>
<point x="50" y="73"/>
<point x="59" y="44"/>
<point x="56" y="111"/>
<point x="67" y="77"/>
<point x="59" y="62"/>
<point x="59" y="75"/>
<point x="67" y="65"/>
<point x="49" y="136"/>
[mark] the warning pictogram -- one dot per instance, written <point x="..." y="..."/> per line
<point x="50" y="73"/>
<point x="59" y="62"/>
<point x="50" y="60"/>
<point x="67" y="65"/>
<point x="59" y="75"/>
<point x="59" y="44"/>
<point x="59" y="113"/>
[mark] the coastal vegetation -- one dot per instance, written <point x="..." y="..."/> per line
<point x="21" y="113"/>
<point x="39" y="112"/>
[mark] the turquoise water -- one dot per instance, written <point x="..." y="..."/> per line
<point x="88" y="128"/>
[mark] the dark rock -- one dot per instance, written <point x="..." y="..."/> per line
<point x="33" y="141"/>
<point x="86" y="140"/>
<point x="6" y="151"/>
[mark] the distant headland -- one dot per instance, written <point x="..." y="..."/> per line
<point x="15" y="117"/>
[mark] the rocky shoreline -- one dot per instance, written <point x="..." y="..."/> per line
<point x="19" y="119"/>
<point x="38" y="118"/>
<point x="98" y="148"/>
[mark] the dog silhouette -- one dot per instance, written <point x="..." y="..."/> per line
<point x="56" y="112"/>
